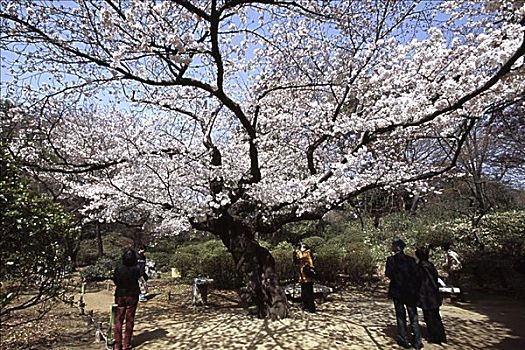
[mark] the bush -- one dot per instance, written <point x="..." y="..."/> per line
<point x="499" y="233"/>
<point x="113" y="244"/>
<point x="293" y="232"/>
<point x="284" y="265"/>
<point x="219" y="265"/>
<point x="264" y="244"/>
<point x="87" y="253"/>
<point x="341" y="254"/>
<point x="358" y="262"/>
<point x="314" y="242"/>
<point x="435" y="236"/>
<point x="163" y="261"/>
<point x="101" y="270"/>
<point x="185" y="262"/>
<point x="504" y="232"/>
<point x="207" y="259"/>
<point x="328" y="262"/>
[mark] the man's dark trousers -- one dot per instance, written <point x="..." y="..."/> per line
<point x="401" y="318"/>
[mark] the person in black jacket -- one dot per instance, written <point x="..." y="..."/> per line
<point x="429" y="297"/>
<point x="126" y="278"/>
<point x="403" y="273"/>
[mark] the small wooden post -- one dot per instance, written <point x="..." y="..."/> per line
<point x="81" y="302"/>
<point x="112" y="314"/>
<point x="98" y="333"/>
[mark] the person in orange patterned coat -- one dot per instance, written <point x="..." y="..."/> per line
<point x="307" y="274"/>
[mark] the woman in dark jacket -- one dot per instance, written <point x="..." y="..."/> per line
<point x="429" y="298"/>
<point x="126" y="278"/>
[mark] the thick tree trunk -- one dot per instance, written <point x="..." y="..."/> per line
<point x="257" y="268"/>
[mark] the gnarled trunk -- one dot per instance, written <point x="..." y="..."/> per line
<point x="257" y="268"/>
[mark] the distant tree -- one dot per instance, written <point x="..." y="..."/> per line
<point x="491" y="166"/>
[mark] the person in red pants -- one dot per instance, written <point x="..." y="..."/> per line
<point x="126" y="279"/>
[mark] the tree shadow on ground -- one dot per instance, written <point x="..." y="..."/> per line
<point x="61" y="328"/>
<point x="151" y="295"/>
<point x="350" y="319"/>
<point x="504" y="319"/>
<point x="390" y="331"/>
<point x="145" y="336"/>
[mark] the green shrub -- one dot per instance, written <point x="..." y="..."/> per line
<point x="219" y="265"/>
<point x="101" y="270"/>
<point x="113" y="244"/>
<point x="434" y="236"/>
<point x="207" y="259"/>
<point x="284" y="264"/>
<point x="504" y="232"/>
<point x="328" y="261"/>
<point x="165" y="245"/>
<point x="499" y="233"/>
<point x="87" y="254"/>
<point x="185" y="262"/>
<point x="163" y="261"/>
<point x="314" y="242"/>
<point x="358" y="262"/>
<point x="294" y="231"/>
<point x="210" y="246"/>
<point x="264" y="244"/>
<point x="340" y="240"/>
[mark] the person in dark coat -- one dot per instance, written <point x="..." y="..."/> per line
<point x="403" y="273"/>
<point x="429" y="297"/>
<point x="126" y="278"/>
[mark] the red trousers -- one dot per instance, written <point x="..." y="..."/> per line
<point x="126" y="308"/>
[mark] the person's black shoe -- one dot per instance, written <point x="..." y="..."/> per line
<point x="404" y="344"/>
<point x="418" y="346"/>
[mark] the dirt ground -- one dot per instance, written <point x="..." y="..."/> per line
<point x="351" y="319"/>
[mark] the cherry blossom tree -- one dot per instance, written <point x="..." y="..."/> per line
<point x="239" y="116"/>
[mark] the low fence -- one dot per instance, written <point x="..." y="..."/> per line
<point x="101" y="334"/>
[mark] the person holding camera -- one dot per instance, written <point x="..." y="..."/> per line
<point x="307" y="275"/>
<point x="126" y="278"/>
